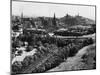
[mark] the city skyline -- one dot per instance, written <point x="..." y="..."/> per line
<point x="35" y="9"/>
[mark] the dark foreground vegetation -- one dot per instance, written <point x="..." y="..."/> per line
<point x="50" y="53"/>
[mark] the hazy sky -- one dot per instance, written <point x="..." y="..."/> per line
<point x="45" y="9"/>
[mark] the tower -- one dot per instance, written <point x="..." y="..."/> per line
<point x="22" y="27"/>
<point x="54" y="20"/>
<point x="22" y="17"/>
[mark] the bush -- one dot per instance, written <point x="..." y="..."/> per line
<point x="16" y="66"/>
<point x="26" y="61"/>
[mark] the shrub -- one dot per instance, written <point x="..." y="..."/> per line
<point x="26" y="61"/>
<point x="16" y="66"/>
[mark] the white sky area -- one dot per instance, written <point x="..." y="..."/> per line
<point x="34" y="9"/>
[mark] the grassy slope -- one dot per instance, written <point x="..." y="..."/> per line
<point x="84" y="59"/>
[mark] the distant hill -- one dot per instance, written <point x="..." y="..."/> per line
<point x="76" y="20"/>
<point x="84" y="20"/>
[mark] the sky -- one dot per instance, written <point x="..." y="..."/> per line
<point x="34" y="9"/>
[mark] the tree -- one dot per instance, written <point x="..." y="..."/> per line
<point x="32" y="23"/>
<point x="15" y="27"/>
<point x="44" y="22"/>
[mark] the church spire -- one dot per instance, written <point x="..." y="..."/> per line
<point x="22" y="15"/>
<point x="54" y="16"/>
<point x="54" y="20"/>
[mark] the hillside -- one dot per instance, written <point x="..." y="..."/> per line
<point x="76" y="20"/>
<point x="84" y="59"/>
